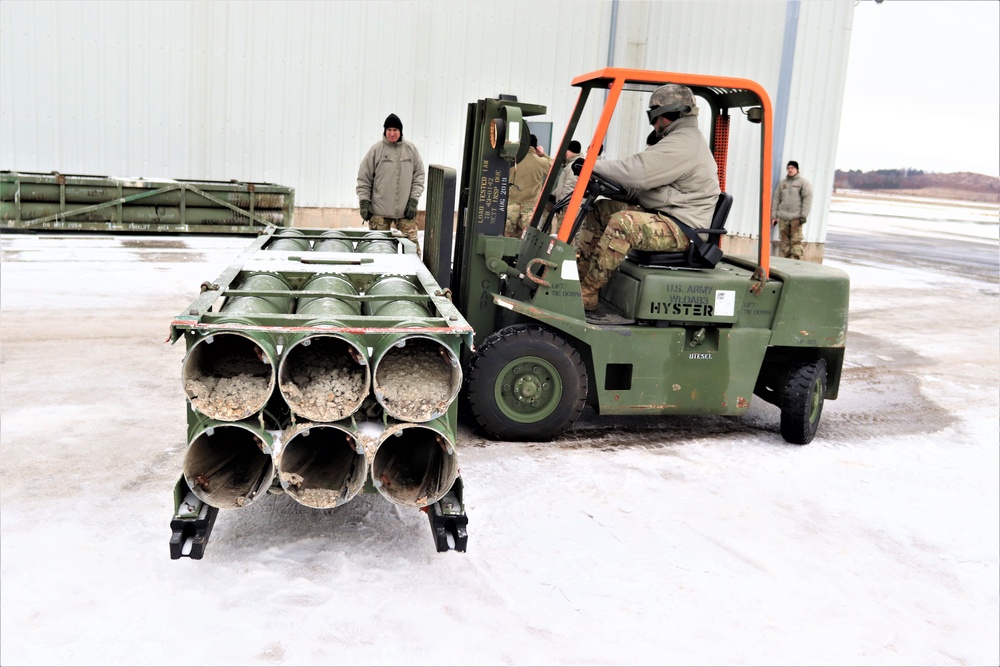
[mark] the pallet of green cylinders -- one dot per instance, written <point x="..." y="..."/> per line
<point x="321" y="365"/>
<point x="76" y="202"/>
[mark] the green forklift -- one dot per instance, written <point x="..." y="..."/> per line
<point x="692" y="333"/>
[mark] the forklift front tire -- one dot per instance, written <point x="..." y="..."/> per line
<point x="526" y="383"/>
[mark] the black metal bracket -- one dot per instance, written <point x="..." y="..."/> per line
<point x="192" y="523"/>
<point x="448" y="520"/>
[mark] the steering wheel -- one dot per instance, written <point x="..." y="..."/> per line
<point x="606" y="186"/>
<point x="599" y="185"/>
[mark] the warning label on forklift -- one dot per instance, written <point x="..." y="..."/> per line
<point x="725" y="302"/>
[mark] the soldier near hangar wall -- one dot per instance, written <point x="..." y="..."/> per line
<point x="790" y="209"/>
<point x="390" y="182"/>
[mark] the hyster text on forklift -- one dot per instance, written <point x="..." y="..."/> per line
<point x="696" y="332"/>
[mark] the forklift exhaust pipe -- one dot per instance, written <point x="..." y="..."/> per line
<point x="325" y="377"/>
<point x="415" y="465"/>
<point x="230" y="375"/>
<point x="415" y="376"/>
<point x="322" y="465"/>
<point x="228" y="465"/>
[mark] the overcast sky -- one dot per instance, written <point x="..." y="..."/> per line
<point x="923" y="87"/>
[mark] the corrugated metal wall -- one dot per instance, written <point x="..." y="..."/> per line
<point x="295" y="93"/>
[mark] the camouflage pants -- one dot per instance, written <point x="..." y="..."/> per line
<point x="628" y="227"/>
<point x="406" y="227"/>
<point x="791" y="238"/>
<point x="518" y="217"/>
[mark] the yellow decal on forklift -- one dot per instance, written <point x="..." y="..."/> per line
<point x="725" y="302"/>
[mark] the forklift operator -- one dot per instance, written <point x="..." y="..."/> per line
<point x="676" y="176"/>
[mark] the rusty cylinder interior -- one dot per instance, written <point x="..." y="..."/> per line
<point x="414" y="466"/>
<point x="226" y="467"/>
<point x="228" y="376"/>
<point x="321" y="466"/>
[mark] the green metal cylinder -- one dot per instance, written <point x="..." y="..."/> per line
<point x="230" y="375"/>
<point x="322" y="465"/>
<point x="415" y="376"/>
<point x="377" y="243"/>
<point x="333" y="245"/>
<point x="390" y="288"/>
<point x="97" y="194"/>
<point x="293" y="240"/>
<point x="260" y="305"/>
<point x="333" y="240"/>
<point x="415" y="465"/>
<point x="132" y="213"/>
<point x="324" y="377"/>
<point x="329" y="306"/>
<point x="228" y="465"/>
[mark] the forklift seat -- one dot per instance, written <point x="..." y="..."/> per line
<point x="701" y="253"/>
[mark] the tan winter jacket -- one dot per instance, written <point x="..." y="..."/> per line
<point x="792" y="199"/>
<point x="389" y="175"/>
<point x="678" y="175"/>
<point x="527" y="178"/>
<point x="567" y="179"/>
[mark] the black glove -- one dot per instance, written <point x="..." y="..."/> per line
<point x="577" y="165"/>
<point x="411" y="209"/>
<point x="366" y="210"/>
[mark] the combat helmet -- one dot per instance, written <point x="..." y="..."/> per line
<point x="671" y="98"/>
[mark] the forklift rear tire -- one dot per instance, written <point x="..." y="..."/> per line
<point x="802" y="402"/>
<point x="526" y="383"/>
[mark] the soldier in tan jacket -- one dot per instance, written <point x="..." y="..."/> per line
<point x="676" y="175"/>
<point x="390" y="182"/>
<point x="526" y="180"/>
<point x="789" y="209"/>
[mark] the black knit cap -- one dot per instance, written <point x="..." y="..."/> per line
<point x="793" y="163"/>
<point x="392" y="120"/>
<point x="574" y="146"/>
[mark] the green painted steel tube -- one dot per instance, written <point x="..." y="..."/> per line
<point x="390" y="288"/>
<point x="228" y="465"/>
<point x="415" y="465"/>
<point x="324" y="377"/>
<point x="333" y="241"/>
<point x="290" y="240"/>
<point x="333" y="245"/>
<point x="322" y="465"/>
<point x="96" y="194"/>
<point x="377" y="246"/>
<point x="329" y="306"/>
<point x="249" y="306"/>
<point x="137" y="214"/>
<point x="415" y="376"/>
<point x="230" y="375"/>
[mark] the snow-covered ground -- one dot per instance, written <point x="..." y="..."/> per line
<point x="629" y="541"/>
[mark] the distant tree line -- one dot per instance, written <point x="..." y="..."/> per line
<point x="914" y="179"/>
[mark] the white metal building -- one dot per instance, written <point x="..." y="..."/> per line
<point x="294" y="93"/>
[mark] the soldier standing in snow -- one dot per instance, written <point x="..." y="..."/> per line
<point x="390" y="181"/>
<point x="789" y="209"/>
